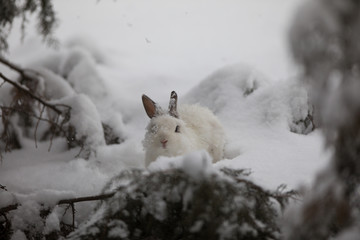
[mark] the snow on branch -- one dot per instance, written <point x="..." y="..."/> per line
<point x="4" y="211"/>
<point x="33" y="96"/>
<point x="24" y="100"/>
<point x="43" y="105"/>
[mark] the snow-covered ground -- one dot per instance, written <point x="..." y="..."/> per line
<point x="127" y="48"/>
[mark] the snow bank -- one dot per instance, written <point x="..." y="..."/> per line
<point x="263" y="127"/>
<point x="238" y="92"/>
<point x="226" y="86"/>
<point x="114" y="158"/>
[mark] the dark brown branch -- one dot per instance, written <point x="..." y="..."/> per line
<point x="26" y="91"/>
<point x="86" y="199"/>
<point x="24" y="73"/>
<point x="70" y="201"/>
<point x="13" y="67"/>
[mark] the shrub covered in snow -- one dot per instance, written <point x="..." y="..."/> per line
<point x="186" y="201"/>
<point x="57" y="97"/>
<point x="240" y="93"/>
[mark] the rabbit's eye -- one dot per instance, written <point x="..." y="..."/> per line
<point x="177" y="129"/>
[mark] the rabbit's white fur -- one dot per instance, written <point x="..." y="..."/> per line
<point x="198" y="129"/>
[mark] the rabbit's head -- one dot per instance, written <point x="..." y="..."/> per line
<point x="167" y="134"/>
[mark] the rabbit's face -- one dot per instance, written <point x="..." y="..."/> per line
<point x="167" y="136"/>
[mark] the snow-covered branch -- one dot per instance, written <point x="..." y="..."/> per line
<point x="70" y="201"/>
<point x="33" y="96"/>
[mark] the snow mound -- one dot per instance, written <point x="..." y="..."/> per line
<point x="81" y="71"/>
<point x="96" y="52"/>
<point x="86" y="120"/>
<point x="77" y="64"/>
<point x="231" y="83"/>
<point x="53" y="86"/>
<point x="240" y="94"/>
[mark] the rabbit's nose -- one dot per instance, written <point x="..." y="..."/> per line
<point x="163" y="142"/>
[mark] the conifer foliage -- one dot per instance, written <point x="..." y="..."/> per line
<point x="11" y="10"/>
<point x="174" y="204"/>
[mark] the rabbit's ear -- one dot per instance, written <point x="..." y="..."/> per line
<point x="150" y="106"/>
<point x="173" y="105"/>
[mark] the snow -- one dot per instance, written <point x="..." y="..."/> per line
<point x="18" y="235"/>
<point x="53" y="86"/>
<point x="84" y="77"/>
<point x="85" y="119"/>
<point x="196" y="164"/>
<point x="52" y="222"/>
<point x="7" y="198"/>
<point x="118" y="229"/>
<point x="349" y="234"/>
<point x="229" y="56"/>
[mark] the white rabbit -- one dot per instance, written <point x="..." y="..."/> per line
<point x="178" y="131"/>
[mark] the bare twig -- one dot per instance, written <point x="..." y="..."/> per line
<point x="34" y="116"/>
<point x="73" y="214"/>
<point x="37" y="125"/>
<point x="53" y="134"/>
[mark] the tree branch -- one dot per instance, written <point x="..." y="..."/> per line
<point x="26" y="91"/>
<point x="13" y="67"/>
<point x="70" y="201"/>
<point x="86" y="199"/>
